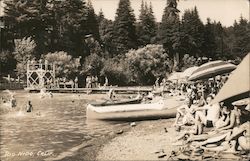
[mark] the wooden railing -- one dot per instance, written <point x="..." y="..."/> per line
<point x="12" y="85"/>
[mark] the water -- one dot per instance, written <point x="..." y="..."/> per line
<point x="56" y="125"/>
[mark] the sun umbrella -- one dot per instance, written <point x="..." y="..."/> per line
<point x="175" y="76"/>
<point x="238" y="84"/>
<point x="211" y="69"/>
<point x="188" y="72"/>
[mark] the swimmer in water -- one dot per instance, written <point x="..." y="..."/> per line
<point x="13" y="101"/>
<point x="29" y="107"/>
<point x="50" y="94"/>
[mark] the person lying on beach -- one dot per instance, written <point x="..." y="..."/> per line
<point x="228" y="139"/>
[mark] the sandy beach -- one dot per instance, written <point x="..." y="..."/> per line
<point x="147" y="140"/>
<point x="61" y="130"/>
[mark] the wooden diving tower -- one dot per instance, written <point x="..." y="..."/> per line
<point x="40" y="75"/>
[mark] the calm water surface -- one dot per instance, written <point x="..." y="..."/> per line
<point x="56" y="126"/>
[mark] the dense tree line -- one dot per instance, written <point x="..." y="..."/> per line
<point x="71" y="27"/>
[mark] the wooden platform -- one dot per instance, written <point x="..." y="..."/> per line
<point x="96" y="90"/>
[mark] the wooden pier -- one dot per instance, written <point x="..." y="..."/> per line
<point x="96" y="90"/>
<point x="41" y="75"/>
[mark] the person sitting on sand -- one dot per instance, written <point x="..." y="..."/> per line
<point x="195" y="133"/>
<point x="186" y="111"/>
<point x="29" y="107"/>
<point x="208" y="114"/>
<point x="234" y="119"/>
<point x="224" y="118"/>
<point x="240" y="134"/>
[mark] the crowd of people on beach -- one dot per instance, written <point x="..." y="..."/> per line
<point x="215" y="127"/>
<point x="92" y="82"/>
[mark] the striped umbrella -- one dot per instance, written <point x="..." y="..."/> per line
<point x="188" y="72"/>
<point x="211" y="69"/>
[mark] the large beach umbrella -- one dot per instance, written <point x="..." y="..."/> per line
<point x="238" y="84"/>
<point x="176" y="76"/>
<point x="211" y="69"/>
<point x="188" y="72"/>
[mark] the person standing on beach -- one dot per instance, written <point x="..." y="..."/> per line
<point x="96" y="81"/>
<point x="88" y="82"/>
<point x="76" y="82"/>
<point x="157" y="82"/>
<point x="64" y="82"/>
<point x="92" y="82"/>
<point x="106" y="82"/>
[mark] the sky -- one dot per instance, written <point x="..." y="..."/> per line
<point x="225" y="11"/>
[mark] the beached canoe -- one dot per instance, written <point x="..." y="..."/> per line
<point x="119" y="102"/>
<point x="132" y="112"/>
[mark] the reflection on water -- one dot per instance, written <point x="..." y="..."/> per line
<point x="56" y="125"/>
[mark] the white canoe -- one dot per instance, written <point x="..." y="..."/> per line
<point x="129" y="112"/>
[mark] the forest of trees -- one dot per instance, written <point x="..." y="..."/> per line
<point x="126" y="50"/>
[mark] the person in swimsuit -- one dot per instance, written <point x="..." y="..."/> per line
<point x="228" y="139"/>
<point x="185" y="111"/>
<point x="29" y="107"/>
<point x="208" y="114"/>
<point x="234" y="119"/>
<point x="224" y="118"/>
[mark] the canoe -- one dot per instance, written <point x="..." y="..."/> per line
<point x="119" y="102"/>
<point x="132" y="112"/>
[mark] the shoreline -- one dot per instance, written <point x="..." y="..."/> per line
<point x="147" y="140"/>
<point x="91" y="149"/>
